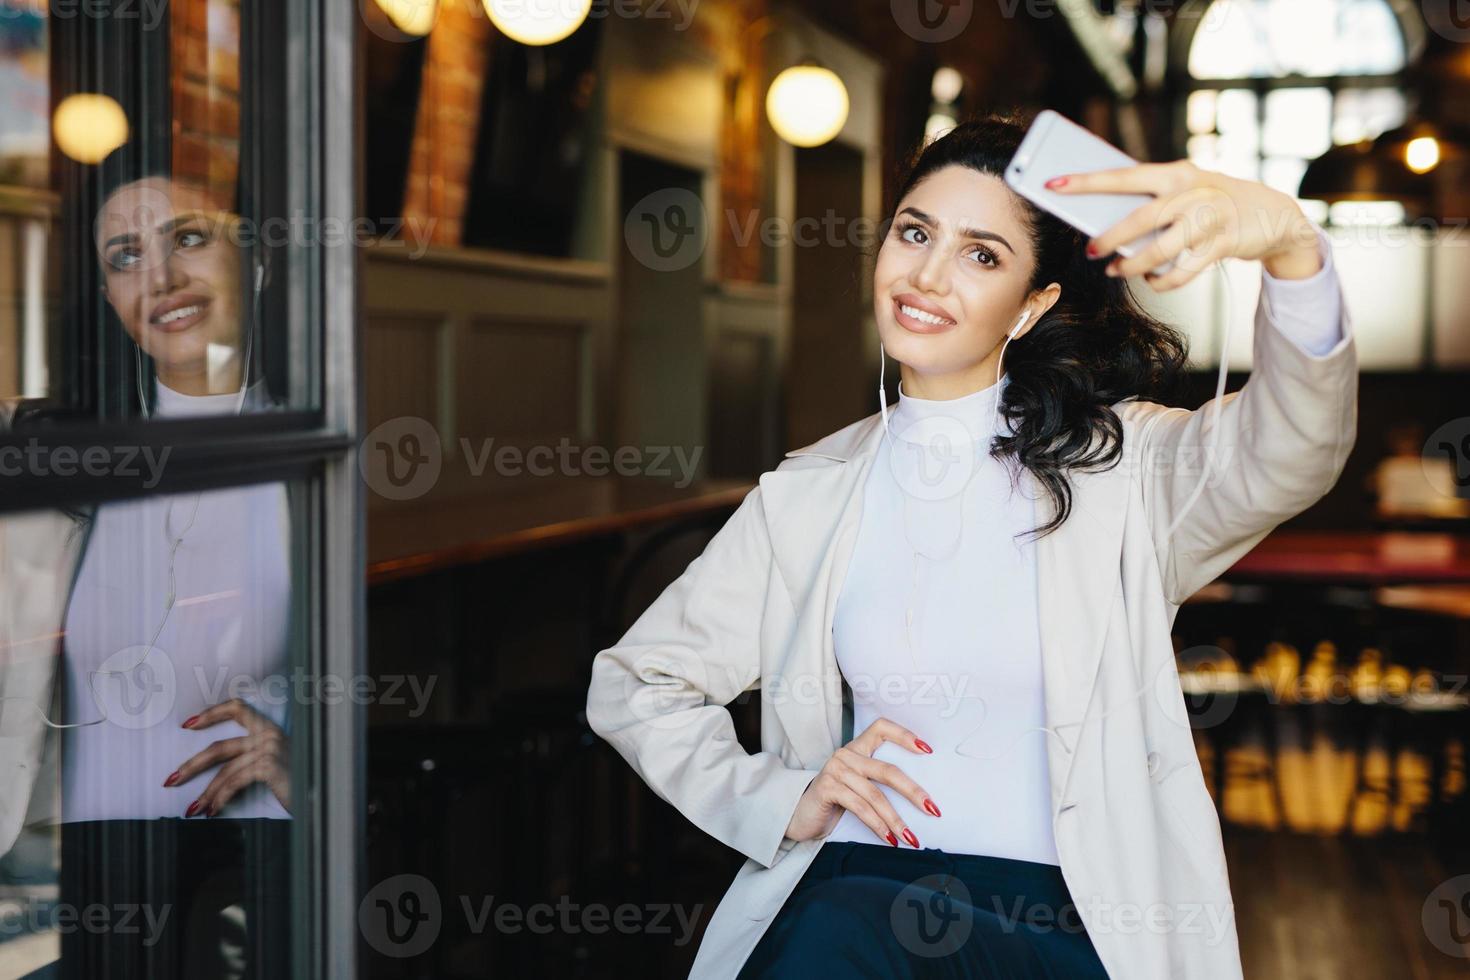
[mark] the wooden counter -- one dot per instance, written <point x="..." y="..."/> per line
<point x="423" y="536"/>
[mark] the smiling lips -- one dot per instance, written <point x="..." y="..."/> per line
<point x="920" y="316"/>
<point x="178" y="314"/>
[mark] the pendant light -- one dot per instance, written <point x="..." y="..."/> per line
<point x="807" y="104"/>
<point x="537" y="22"/>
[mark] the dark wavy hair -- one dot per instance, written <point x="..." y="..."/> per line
<point x="1094" y="347"/>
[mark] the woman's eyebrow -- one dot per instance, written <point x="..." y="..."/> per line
<point x="184" y="218"/>
<point x="964" y="232"/>
<point x="163" y="229"/>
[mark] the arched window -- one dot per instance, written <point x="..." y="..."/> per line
<point x="1272" y="84"/>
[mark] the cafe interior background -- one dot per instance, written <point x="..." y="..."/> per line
<point x="513" y="290"/>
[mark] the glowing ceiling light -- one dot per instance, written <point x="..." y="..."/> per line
<point x="413" y="17"/>
<point x="537" y="22"/>
<point x="937" y="125"/>
<point x="807" y="105"/>
<point x="946" y="85"/>
<point x="1422" y="154"/>
<point x="88" y="126"/>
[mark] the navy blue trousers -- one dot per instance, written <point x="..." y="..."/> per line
<point x="872" y="910"/>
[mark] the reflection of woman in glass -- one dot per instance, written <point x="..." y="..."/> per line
<point x="175" y="796"/>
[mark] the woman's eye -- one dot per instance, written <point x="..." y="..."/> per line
<point x="124" y="259"/>
<point x="191" y="237"/>
<point x="984" y="254"/>
<point x="912" y="230"/>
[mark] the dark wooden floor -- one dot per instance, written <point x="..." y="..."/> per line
<point x="1311" y="907"/>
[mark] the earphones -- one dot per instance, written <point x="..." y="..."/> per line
<point x="175" y="540"/>
<point x="1020" y="322"/>
<point x="882" y="359"/>
<point x="1217" y="403"/>
<point x="260" y="270"/>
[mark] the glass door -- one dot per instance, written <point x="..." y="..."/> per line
<point x="180" y="517"/>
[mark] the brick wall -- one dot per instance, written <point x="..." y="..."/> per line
<point x="445" y="128"/>
<point x="729" y="28"/>
<point x="204" y="43"/>
<point x="447" y="121"/>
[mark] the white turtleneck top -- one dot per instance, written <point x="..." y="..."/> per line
<point x="225" y="635"/>
<point x="936" y="625"/>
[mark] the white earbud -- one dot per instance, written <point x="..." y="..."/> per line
<point x="1020" y="322"/>
<point x="882" y="394"/>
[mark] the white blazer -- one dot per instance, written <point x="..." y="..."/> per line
<point x="1136" y="831"/>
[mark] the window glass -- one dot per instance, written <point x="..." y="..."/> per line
<point x="150" y="686"/>
<point x="143" y="248"/>
<point x="1365" y="113"/>
<point x="1316" y="38"/>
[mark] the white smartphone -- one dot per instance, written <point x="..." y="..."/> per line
<point x="1055" y="145"/>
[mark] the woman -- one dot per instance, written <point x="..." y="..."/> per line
<point x="976" y="759"/>
<point x="167" y="606"/>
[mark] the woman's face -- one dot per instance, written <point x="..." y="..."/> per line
<point x="952" y="276"/>
<point x="171" y="271"/>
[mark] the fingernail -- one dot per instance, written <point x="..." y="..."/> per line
<point x="929" y="805"/>
<point x="213" y="809"/>
<point x="172" y="778"/>
<point x="891" y="839"/>
<point x="189" y="721"/>
<point x="1092" y="249"/>
<point x="908" y="835"/>
<point x="1112" y="269"/>
<point x="193" y="809"/>
<point x="1056" y="182"/>
<point x="923" y="745"/>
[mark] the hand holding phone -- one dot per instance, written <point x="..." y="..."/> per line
<point x="1055" y="145"/>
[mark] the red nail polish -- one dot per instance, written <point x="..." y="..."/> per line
<point x="189" y="721"/>
<point x="1091" y="249"/>
<point x="891" y="839"/>
<point x="1056" y="182"/>
<point x="193" y="809"/>
<point x="929" y="805"/>
<point x="908" y="835"/>
<point x="923" y="745"/>
<point x="172" y="778"/>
